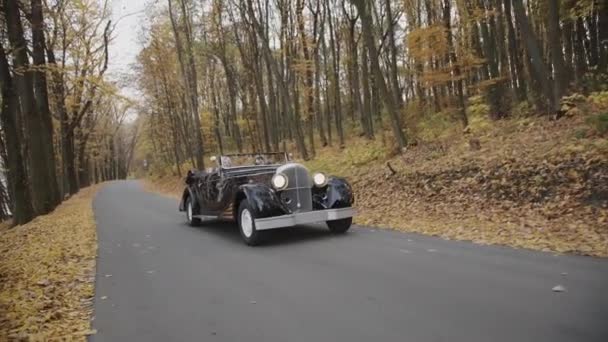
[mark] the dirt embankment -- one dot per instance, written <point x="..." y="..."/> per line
<point x="555" y="205"/>
<point x="530" y="183"/>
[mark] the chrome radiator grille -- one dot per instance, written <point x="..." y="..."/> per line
<point x="297" y="196"/>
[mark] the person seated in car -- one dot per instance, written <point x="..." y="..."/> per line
<point x="260" y="160"/>
<point x="226" y="161"/>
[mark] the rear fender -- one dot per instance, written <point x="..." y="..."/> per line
<point x="263" y="200"/>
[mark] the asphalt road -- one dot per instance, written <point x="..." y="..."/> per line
<point x="159" y="279"/>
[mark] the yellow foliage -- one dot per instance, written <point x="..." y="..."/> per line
<point x="478" y="112"/>
<point x="599" y="100"/>
<point x="427" y="42"/>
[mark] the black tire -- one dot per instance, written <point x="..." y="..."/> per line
<point x="251" y="236"/>
<point x="340" y="226"/>
<point x="192" y="221"/>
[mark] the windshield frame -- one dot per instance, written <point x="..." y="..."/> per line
<point x="279" y="154"/>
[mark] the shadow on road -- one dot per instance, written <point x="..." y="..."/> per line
<point x="228" y="230"/>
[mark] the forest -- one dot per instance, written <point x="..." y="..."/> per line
<point x="304" y="74"/>
<point x="220" y="76"/>
<point x="62" y="120"/>
<point x="482" y="121"/>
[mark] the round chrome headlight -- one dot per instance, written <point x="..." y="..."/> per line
<point x="319" y="179"/>
<point x="279" y="181"/>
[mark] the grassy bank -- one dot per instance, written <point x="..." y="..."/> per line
<point x="47" y="273"/>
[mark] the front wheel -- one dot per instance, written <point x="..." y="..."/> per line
<point x="246" y="223"/>
<point x="340" y="226"/>
<point x="193" y="221"/>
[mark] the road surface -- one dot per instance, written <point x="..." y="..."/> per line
<point x="159" y="279"/>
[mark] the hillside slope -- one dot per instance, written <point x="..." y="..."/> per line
<point x="533" y="183"/>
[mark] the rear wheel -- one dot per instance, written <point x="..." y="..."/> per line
<point x="193" y="221"/>
<point x="246" y="222"/>
<point x="340" y="226"/>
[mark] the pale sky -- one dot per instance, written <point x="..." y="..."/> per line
<point x="129" y="16"/>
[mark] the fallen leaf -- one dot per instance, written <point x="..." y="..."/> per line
<point x="90" y="332"/>
<point x="44" y="282"/>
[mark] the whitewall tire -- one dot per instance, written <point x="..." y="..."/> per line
<point x="193" y="221"/>
<point x="246" y="222"/>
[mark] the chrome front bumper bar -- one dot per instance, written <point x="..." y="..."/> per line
<point x="314" y="216"/>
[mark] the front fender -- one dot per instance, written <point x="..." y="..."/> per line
<point x="336" y="194"/>
<point x="263" y="201"/>
<point x="188" y="193"/>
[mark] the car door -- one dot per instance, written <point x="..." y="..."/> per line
<point x="209" y="192"/>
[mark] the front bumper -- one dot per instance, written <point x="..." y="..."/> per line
<point x="314" y="216"/>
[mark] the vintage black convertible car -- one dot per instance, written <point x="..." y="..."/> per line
<point x="266" y="191"/>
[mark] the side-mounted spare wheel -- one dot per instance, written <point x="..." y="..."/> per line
<point x="246" y="221"/>
<point x="193" y="221"/>
<point x="340" y="226"/>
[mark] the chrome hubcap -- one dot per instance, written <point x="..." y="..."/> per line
<point x="246" y="223"/>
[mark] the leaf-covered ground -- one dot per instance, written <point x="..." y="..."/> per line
<point x="47" y="273"/>
<point x="531" y="183"/>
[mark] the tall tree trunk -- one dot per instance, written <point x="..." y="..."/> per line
<point x="392" y="49"/>
<point x="328" y="98"/>
<point x="366" y="113"/>
<point x="555" y="44"/>
<point x="535" y="57"/>
<point x="318" y="105"/>
<point x="308" y="91"/>
<point x="602" y="30"/>
<point x="353" y="71"/>
<point x="17" y="176"/>
<point x="68" y="180"/>
<point x="232" y="95"/>
<point x="335" y="77"/>
<point x="42" y="101"/>
<point x="515" y="59"/>
<point x="200" y="150"/>
<point x="579" y="51"/>
<point x="43" y="197"/>
<point x="188" y="70"/>
<point x="258" y="75"/>
<point x="83" y="162"/>
<point x="592" y="25"/>
<point x="380" y="84"/>
<point x="447" y="20"/>
<point x="286" y="96"/>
